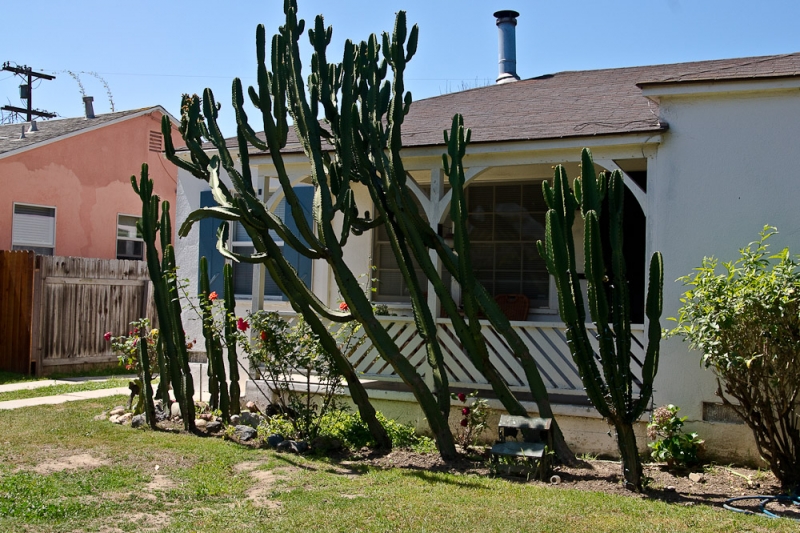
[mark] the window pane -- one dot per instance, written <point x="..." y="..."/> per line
<point x="34" y="226"/>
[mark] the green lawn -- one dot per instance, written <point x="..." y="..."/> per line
<point x="52" y="390"/>
<point x="134" y="480"/>
<point x="13" y="377"/>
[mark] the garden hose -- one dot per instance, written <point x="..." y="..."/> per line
<point x="765" y="500"/>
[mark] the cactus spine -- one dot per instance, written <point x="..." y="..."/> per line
<point x="165" y="292"/>
<point x="609" y="385"/>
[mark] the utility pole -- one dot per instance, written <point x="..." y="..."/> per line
<point x="26" y="91"/>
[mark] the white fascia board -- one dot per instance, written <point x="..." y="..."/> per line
<point x="656" y="91"/>
<point x="146" y="111"/>
<point x="553" y="151"/>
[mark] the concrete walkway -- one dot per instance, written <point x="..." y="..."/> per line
<point x="61" y="398"/>
<point x="58" y="398"/>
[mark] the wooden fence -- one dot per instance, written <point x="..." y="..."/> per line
<point x="16" y="310"/>
<point x="73" y="302"/>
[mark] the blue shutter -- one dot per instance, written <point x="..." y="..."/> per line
<point x="208" y="247"/>
<point x="300" y="262"/>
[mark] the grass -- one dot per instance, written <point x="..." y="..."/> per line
<point x="52" y="390"/>
<point x="169" y="482"/>
<point x="13" y="377"/>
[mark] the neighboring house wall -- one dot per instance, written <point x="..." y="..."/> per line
<point x="86" y="177"/>
<point x="726" y="168"/>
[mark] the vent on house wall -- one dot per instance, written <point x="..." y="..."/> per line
<point x="717" y="412"/>
<point x="155" y="141"/>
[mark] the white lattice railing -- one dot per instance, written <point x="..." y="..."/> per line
<point x="547" y="343"/>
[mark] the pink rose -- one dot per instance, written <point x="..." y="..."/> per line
<point x="464" y="422"/>
<point x="461" y="397"/>
<point x="465" y="411"/>
<point x="343" y="306"/>
<point x="242" y="324"/>
<point x="107" y="335"/>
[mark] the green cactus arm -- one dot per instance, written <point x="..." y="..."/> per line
<point x="653" y="309"/>
<point x="591" y="189"/>
<point x="621" y="315"/>
<point x="211" y="339"/>
<point x="230" y="339"/>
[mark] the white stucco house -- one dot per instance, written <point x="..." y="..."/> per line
<point x="708" y="151"/>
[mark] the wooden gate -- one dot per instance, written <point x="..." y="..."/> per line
<point x="81" y="299"/>
<point x="16" y="310"/>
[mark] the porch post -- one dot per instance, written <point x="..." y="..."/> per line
<point x="437" y="191"/>
<point x="259" y="270"/>
<point x="261" y="185"/>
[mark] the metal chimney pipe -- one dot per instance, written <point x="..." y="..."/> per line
<point x="506" y="24"/>
<point x="32" y="128"/>
<point x="87" y="103"/>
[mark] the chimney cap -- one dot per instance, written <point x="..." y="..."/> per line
<point x="506" y="13"/>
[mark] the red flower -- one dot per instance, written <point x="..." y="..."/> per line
<point x="213" y="296"/>
<point x="464" y="422"/>
<point x="107" y="335"/>
<point x="343" y="306"/>
<point x="263" y="335"/>
<point x="242" y="324"/>
<point x="465" y="411"/>
<point x="461" y="397"/>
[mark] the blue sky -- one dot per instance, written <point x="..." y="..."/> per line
<point x="150" y="52"/>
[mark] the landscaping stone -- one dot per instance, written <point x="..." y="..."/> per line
<point x="213" y="426"/>
<point x="175" y="410"/>
<point x="274" y="440"/>
<point x="206" y="416"/>
<point x="292" y="446"/>
<point x="161" y="413"/>
<point x="101" y="416"/>
<point x="124" y="419"/>
<point x="117" y="411"/>
<point x="245" y="433"/>
<point x="138" y="421"/>
<point x="249" y="419"/>
<point x="234" y="420"/>
<point x="114" y="419"/>
<point x="201" y="423"/>
<point x="696" y="477"/>
<point x="252" y="407"/>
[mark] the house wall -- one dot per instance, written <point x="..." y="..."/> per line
<point x="726" y="168"/>
<point x="86" y="177"/>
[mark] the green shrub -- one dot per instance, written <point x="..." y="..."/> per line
<point x="351" y="430"/>
<point x="746" y="322"/>
<point x="672" y="445"/>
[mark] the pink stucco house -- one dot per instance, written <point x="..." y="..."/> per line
<point x="66" y="183"/>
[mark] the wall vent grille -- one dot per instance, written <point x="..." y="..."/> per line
<point x="717" y="412"/>
<point x="154" y="144"/>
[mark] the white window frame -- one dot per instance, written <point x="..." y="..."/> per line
<point x="16" y="245"/>
<point x="132" y="239"/>
<point x="233" y="244"/>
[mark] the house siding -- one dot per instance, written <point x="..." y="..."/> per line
<point x="86" y="177"/>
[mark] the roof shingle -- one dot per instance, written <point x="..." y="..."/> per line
<point x="52" y="129"/>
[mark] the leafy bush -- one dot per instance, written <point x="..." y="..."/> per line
<point x="351" y="430"/>
<point x="301" y="374"/>
<point x="473" y="418"/>
<point x="672" y="445"/>
<point x="746" y="321"/>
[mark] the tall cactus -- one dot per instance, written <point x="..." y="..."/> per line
<point x="217" y="384"/>
<point x="165" y="292"/>
<point x="609" y="384"/>
<point x="279" y="90"/>
<point x="230" y="340"/>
